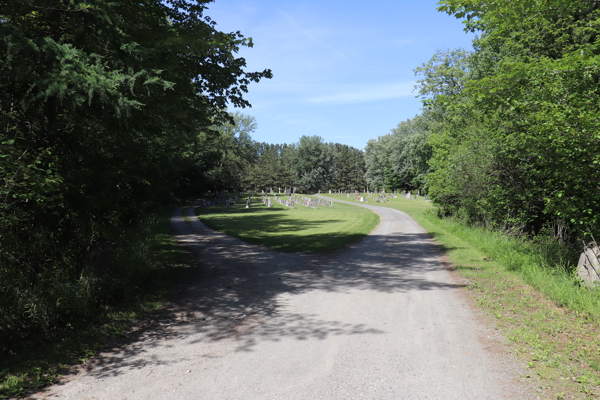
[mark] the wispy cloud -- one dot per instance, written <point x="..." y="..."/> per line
<point x="365" y="94"/>
<point x="311" y="34"/>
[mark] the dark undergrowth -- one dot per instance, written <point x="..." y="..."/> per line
<point x="145" y="264"/>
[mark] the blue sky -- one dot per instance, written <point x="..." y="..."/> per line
<point x="342" y="70"/>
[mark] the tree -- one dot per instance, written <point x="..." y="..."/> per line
<point x="98" y="100"/>
<point x="313" y="164"/>
<point x="285" y="165"/>
<point x="375" y="161"/>
<point x="443" y="75"/>
<point x="349" y="164"/>
<point x="227" y="157"/>
<point x="399" y="160"/>
<point x="528" y="108"/>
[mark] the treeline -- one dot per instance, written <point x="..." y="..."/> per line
<point x="512" y="127"/>
<point x="399" y="160"/>
<point x="106" y="110"/>
<point x="233" y="161"/>
<point x="309" y="166"/>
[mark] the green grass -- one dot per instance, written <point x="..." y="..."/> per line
<point x="37" y="361"/>
<point x="303" y="229"/>
<point x="551" y="321"/>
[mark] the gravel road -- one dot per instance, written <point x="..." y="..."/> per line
<point x="383" y="319"/>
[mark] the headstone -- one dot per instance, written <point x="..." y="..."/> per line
<point x="588" y="268"/>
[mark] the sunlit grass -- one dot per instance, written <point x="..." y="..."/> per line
<point x="302" y="229"/>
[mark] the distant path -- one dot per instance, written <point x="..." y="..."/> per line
<point x="382" y="319"/>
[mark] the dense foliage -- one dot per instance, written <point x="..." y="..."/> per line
<point x="398" y="161"/>
<point x="518" y="135"/>
<point x="309" y="166"/>
<point x="218" y="158"/>
<point x="99" y="101"/>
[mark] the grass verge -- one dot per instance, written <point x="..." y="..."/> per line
<point x="38" y="361"/>
<point x="302" y="229"/>
<point x="551" y="321"/>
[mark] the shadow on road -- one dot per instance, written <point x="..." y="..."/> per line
<point x="238" y="292"/>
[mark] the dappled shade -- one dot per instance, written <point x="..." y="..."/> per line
<point x="238" y="292"/>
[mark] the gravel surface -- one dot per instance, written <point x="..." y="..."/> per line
<point x="382" y="319"/>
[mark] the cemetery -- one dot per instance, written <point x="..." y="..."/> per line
<point x="287" y="221"/>
<point x="292" y="200"/>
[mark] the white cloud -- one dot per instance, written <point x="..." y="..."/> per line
<point x="365" y="94"/>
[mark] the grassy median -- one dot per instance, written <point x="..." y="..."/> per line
<point x="281" y="228"/>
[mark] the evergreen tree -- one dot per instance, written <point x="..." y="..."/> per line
<point x="98" y="100"/>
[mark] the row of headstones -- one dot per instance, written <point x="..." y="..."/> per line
<point x="409" y="196"/>
<point x="319" y="202"/>
<point x="291" y="200"/>
<point x="212" y="202"/>
<point x="285" y="191"/>
<point x="285" y="202"/>
<point x="314" y="203"/>
<point x="340" y="191"/>
<point x="383" y="198"/>
<point x="299" y="201"/>
<point x="307" y="202"/>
